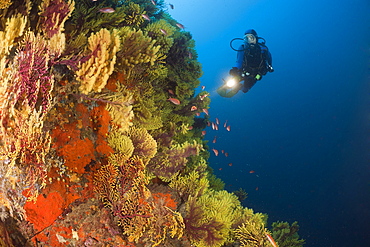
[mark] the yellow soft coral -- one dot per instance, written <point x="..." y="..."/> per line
<point x="121" y="186"/>
<point x="14" y="28"/>
<point x="5" y="4"/>
<point x="133" y="15"/>
<point x="161" y="31"/>
<point x="135" y="211"/>
<point x="136" y="48"/>
<point x="218" y="207"/>
<point x="105" y="183"/>
<point x="147" y="114"/>
<point x="192" y="184"/>
<point x="252" y="234"/>
<point x="120" y="143"/>
<point x="166" y="222"/>
<point x="120" y="107"/>
<point x="94" y="73"/>
<point x="144" y="143"/>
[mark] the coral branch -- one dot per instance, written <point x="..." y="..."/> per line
<point x="54" y="13"/>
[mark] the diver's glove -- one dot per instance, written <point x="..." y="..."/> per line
<point x="234" y="71"/>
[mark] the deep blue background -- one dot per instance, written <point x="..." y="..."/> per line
<point x="303" y="129"/>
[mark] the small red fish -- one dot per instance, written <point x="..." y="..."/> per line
<point x="256" y="188"/>
<point x="107" y="10"/>
<point x="203" y="87"/>
<point x="226" y="154"/>
<point x="230" y="164"/>
<point x="215" y="151"/>
<point x="208" y="123"/>
<point x="171" y="92"/>
<point x="222" y="151"/>
<point x="175" y="101"/>
<point x="180" y="25"/>
<point x="220" y="169"/>
<point x="225" y="124"/>
<point x="146" y="17"/>
<point x="251" y="171"/>
<point x="217" y="121"/>
<point x="190" y="127"/>
<point x="190" y="55"/>
<point x="214" y="139"/>
<point x="193" y="108"/>
<point x="228" y="128"/>
<point x="213" y="125"/>
<point x="203" y="132"/>
<point x="271" y="240"/>
<point x="203" y="96"/>
<point x="216" y="127"/>
<point x="163" y="31"/>
<point x="205" y="111"/>
<point x="198" y="114"/>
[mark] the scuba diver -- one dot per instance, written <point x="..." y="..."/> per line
<point x="253" y="61"/>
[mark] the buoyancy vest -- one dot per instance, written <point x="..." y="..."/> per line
<point x="254" y="61"/>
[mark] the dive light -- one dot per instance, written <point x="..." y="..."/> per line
<point x="231" y="82"/>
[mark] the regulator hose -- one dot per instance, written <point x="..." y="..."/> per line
<point x="231" y="43"/>
<point x="259" y="38"/>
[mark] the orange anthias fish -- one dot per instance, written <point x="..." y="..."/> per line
<point x="163" y="31"/>
<point x="203" y="87"/>
<point x="203" y="96"/>
<point x="214" y="139"/>
<point x="271" y="240"/>
<point x="251" y="171"/>
<point x="175" y="101"/>
<point x="217" y="121"/>
<point x="193" y="108"/>
<point x="205" y="111"/>
<point x="213" y="125"/>
<point x="228" y="128"/>
<point x="225" y="124"/>
<point x="146" y="17"/>
<point x="203" y="132"/>
<point x="180" y="25"/>
<point x="230" y="164"/>
<point x="215" y="151"/>
<point x="107" y="10"/>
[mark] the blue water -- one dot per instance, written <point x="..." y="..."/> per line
<point x="303" y="129"/>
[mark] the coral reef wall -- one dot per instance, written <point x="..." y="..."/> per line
<point x="101" y="138"/>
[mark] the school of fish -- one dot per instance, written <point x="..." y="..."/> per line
<point x="109" y="10"/>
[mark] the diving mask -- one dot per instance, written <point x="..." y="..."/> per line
<point x="250" y="38"/>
